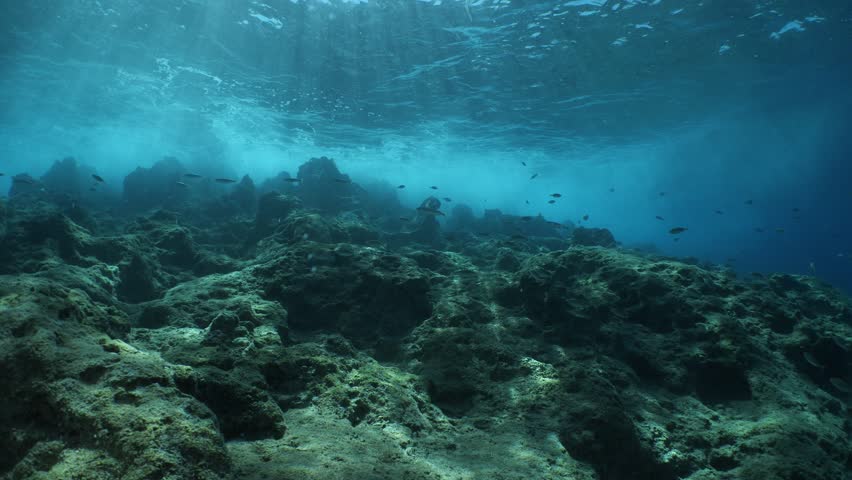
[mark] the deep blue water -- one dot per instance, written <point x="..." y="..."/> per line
<point x="713" y="103"/>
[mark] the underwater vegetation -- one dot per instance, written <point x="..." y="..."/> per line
<point x="191" y="326"/>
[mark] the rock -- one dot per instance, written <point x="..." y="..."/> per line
<point x="147" y="188"/>
<point x="593" y="237"/>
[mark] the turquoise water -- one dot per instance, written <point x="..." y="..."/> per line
<point x="610" y="103"/>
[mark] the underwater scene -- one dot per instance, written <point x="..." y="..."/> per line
<point x="425" y="240"/>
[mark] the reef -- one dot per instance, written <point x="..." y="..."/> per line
<point x="302" y="329"/>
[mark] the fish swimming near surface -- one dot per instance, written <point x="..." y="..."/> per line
<point x="400" y="186"/>
<point x="677" y="230"/>
<point x="191" y="175"/>
<point x="225" y="180"/>
<point x="659" y="217"/>
<point x="524" y="163"/>
<point x="447" y="199"/>
<point x="528" y="202"/>
<point x="98" y="178"/>
<point x="556" y="195"/>
<point x="533" y="176"/>
<point x="551" y="202"/>
<point x="719" y="212"/>
<point x="433" y="187"/>
<point x="430" y="211"/>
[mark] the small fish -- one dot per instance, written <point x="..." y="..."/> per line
<point x="528" y="202"/>
<point x="795" y="209"/>
<point x="551" y="202"/>
<point x="840" y="384"/>
<point x="811" y="359"/>
<point x="719" y="212"/>
<point x="293" y="180"/>
<point x="2" y="174"/>
<point x="659" y="217"/>
<point x="448" y="199"/>
<point x="586" y="216"/>
<point x="677" y="230"/>
<point x="433" y="187"/>
<point x="556" y="195"/>
<point x="533" y="176"/>
<point x="611" y="189"/>
<point x="430" y="211"/>
<point x="400" y="187"/>
<point x="342" y="180"/>
<point x="191" y="175"/>
<point x="526" y="218"/>
<point x="749" y="202"/>
<point x="181" y="184"/>
<point x="225" y="180"/>
<point x="524" y="163"/>
<point x="98" y="178"/>
<point x="662" y="194"/>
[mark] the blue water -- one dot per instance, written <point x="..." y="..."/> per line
<point x="611" y="103"/>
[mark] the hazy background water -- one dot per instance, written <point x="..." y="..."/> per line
<point x="611" y="103"/>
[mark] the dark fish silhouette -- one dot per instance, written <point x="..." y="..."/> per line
<point x="524" y="163"/>
<point x="586" y="216"/>
<point x="662" y="194"/>
<point x="551" y="202"/>
<point x="528" y="202"/>
<point x="225" y="180"/>
<point x="758" y="230"/>
<point x="676" y="239"/>
<point x="342" y="180"/>
<point x="719" y="212"/>
<point x="556" y="195"/>
<point x="2" y="174"/>
<point x="677" y="230"/>
<point x="433" y="187"/>
<point x="401" y="186"/>
<point x="611" y="189"/>
<point x="98" y="178"/>
<point x="292" y="180"/>
<point x="448" y="199"/>
<point x="555" y="224"/>
<point x="794" y="209"/>
<point x="526" y="218"/>
<point x="749" y="202"/>
<point x="191" y="175"/>
<point x="533" y="176"/>
<point x="659" y="217"/>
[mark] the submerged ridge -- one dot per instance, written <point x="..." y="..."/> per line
<point x="311" y="327"/>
